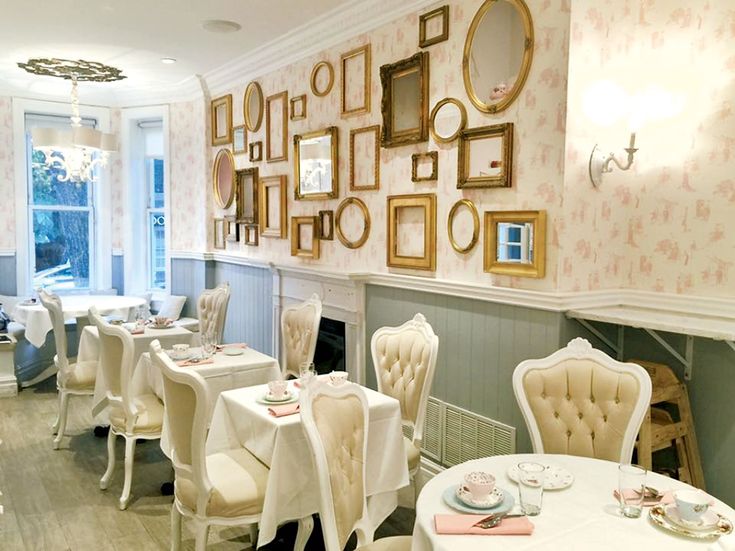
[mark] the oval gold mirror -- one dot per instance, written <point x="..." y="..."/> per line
<point x="497" y="54"/>
<point x="448" y="119"/>
<point x="322" y="78"/>
<point x="462" y="212"/>
<point x="343" y="231"/>
<point x="223" y="178"/>
<point x="252" y="106"/>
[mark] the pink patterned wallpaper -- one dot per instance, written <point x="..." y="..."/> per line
<point x="7" y="182"/>
<point x="118" y="187"/>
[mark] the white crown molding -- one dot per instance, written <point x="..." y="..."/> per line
<point x="347" y="21"/>
<point x="7" y="252"/>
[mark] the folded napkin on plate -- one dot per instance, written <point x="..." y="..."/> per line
<point x="285" y="409"/>
<point x="465" y="524"/>
<point x="189" y="363"/>
<point x="233" y="345"/>
<point x="649" y="501"/>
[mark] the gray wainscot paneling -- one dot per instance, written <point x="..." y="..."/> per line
<point x="118" y="273"/>
<point x="8" y="284"/>
<point x="189" y="278"/>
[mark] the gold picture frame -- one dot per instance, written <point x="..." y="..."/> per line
<point x="247" y="195"/>
<point x="345" y="95"/>
<point x="395" y="258"/>
<point x="252" y="106"/>
<point x="326" y="225"/>
<point x="255" y="151"/>
<point x="223" y="178"/>
<point x="511" y="237"/>
<point x="405" y="95"/>
<point x="269" y="227"/>
<point x="469" y="205"/>
<point x="354" y="133"/>
<point x="219" y="233"/>
<point x="424" y="40"/>
<point x="360" y="241"/>
<point x="232" y="229"/>
<point x="473" y="172"/>
<point x="298" y="107"/>
<point x="314" y="79"/>
<point x="296" y="246"/>
<point x="308" y="184"/>
<point x="272" y="126"/>
<point x="436" y="113"/>
<point x="221" y="115"/>
<point x="249" y="234"/>
<point x="417" y="158"/>
<point x="239" y="140"/>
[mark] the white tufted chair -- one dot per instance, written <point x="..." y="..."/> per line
<point x="72" y="378"/>
<point x="404" y="359"/>
<point x="225" y="488"/>
<point x="132" y="417"/>
<point x="335" y="420"/>
<point x="212" y="310"/>
<point x="580" y="401"/>
<point x="299" y="333"/>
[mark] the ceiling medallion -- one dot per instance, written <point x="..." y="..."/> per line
<point x="70" y="69"/>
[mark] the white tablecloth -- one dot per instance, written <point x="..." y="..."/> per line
<point x="280" y="443"/>
<point x="38" y="323"/>
<point x="580" y="518"/>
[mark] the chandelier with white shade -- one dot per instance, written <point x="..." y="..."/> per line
<point x="82" y="149"/>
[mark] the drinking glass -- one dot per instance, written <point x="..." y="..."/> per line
<point x="631" y="489"/>
<point x="140" y="316"/>
<point x="307" y="372"/>
<point x="209" y="346"/>
<point x="531" y="487"/>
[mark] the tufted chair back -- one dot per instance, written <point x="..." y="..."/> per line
<point x="335" y="420"/>
<point x="404" y="359"/>
<point x="299" y="333"/>
<point x="212" y="310"/>
<point x="580" y="401"/>
<point x="52" y="303"/>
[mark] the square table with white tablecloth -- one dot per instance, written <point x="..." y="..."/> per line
<point x="280" y="443"/>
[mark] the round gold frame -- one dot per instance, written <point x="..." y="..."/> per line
<point x="338" y="223"/>
<point x="251" y="125"/>
<point x="224" y="152"/>
<point x="504" y="103"/>
<point x="315" y="72"/>
<point x="475" y="222"/>
<point x="462" y="122"/>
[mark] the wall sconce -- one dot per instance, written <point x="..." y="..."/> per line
<point x="601" y="163"/>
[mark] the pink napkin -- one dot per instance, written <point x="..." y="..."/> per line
<point x="465" y="524"/>
<point x="189" y="363"/>
<point x="139" y="330"/>
<point x="233" y="345"/>
<point x="666" y="499"/>
<point x="282" y="411"/>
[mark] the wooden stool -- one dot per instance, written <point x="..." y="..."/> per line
<point x="660" y="431"/>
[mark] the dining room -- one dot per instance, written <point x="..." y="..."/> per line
<point x="246" y="303"/>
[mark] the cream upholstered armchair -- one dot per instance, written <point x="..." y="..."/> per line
<point x="132" y="417"/>
<point x="335" y="420"/>
<point x="299" y="333"/>
<point x="404" y="359"/>
<point x="72" y="379"/>
<point x="212" y="310"/>
<point x="580" y="401"/>
<point x="225" y="488"/>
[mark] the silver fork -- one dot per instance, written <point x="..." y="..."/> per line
<point x="494" y="519"/>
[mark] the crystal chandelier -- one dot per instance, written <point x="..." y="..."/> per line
<point x="82" y="149"/>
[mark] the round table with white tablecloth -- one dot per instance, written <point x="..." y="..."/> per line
<point x="583" y="516"/>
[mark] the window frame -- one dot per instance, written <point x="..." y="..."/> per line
<point x="150" y="210"/>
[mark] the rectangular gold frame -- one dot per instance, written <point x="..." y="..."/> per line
<point x="219" y="233"/>
<point x="235" y="131"/>
<point x="505" y="132"/>
<point x="214" y="104"/>
<point x="241" y="193"/>
<point x="442" y="12"/>
<point x="299" y="101"/>
<point x="416" y="157"/>
<point x="265" y="229"/>
<point x="375" y="129"/>
<point x="249" y="233"/>
<point x="420" y="63"/>
<point x="427" y="201"/>
<point x="255" y="151"/>
<point x="283" y="98"/>
<point x="491" y="264"/>
<point x="296" y="223"/>
<point x="334" y="134"/>
<point x="232" y="229"/>
<point x="326" y="225"/>
<point x="365" y="108"/>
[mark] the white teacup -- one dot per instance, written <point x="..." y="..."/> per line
<point x="338" y="377"/>
<point x="180" y="350"/>
<point x="277" y="389"/>
<point x="691" y="505"/>
<point x="479" y="484"/>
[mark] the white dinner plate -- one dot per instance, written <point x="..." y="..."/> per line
<point x="555" y="477"/>
<point x="158" y="327"/>
<point x="450" y="498"/>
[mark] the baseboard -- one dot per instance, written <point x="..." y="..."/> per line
<point x="8" y="387"/>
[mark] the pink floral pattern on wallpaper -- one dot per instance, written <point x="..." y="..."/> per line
<point x="117" y="199"/>
<point x="7" y="181"/>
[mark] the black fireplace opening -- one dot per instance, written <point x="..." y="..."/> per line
<point x="330" y="347"/>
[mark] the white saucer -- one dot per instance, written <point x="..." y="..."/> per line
<point x="555" y="477"/>
<point x="707" y="522"/>
<point x="179" y="357"/>
<point x="493" y="498"/>
<point x="159" y="327"/>
<point x="268" y="400"/>
<point x="233" y="351"/>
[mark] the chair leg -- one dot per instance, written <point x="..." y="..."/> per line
<point x="202" y="533"/>
<point x="63" y="410"/>
<point x="55" y="426"/>
<point x="254" y="535"/>
<point x="105" y="480"/>
<point x="306" y="525"/>
<point x="175" y="528"/>
<point x="129" y="455"/>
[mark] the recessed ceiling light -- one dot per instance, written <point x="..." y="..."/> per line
<point x="220" y="26"/>
<point x="168" y="60"/>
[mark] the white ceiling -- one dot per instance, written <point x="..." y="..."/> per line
<point x="133" y="35"/>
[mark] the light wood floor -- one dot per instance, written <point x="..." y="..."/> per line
<point x="52" y="499"/>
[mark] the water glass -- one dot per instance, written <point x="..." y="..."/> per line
<point x="631" y="489"/>
<point x="307" y="372"/>
<point x="209" y="345"/>
<point x="531" y="487"/>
